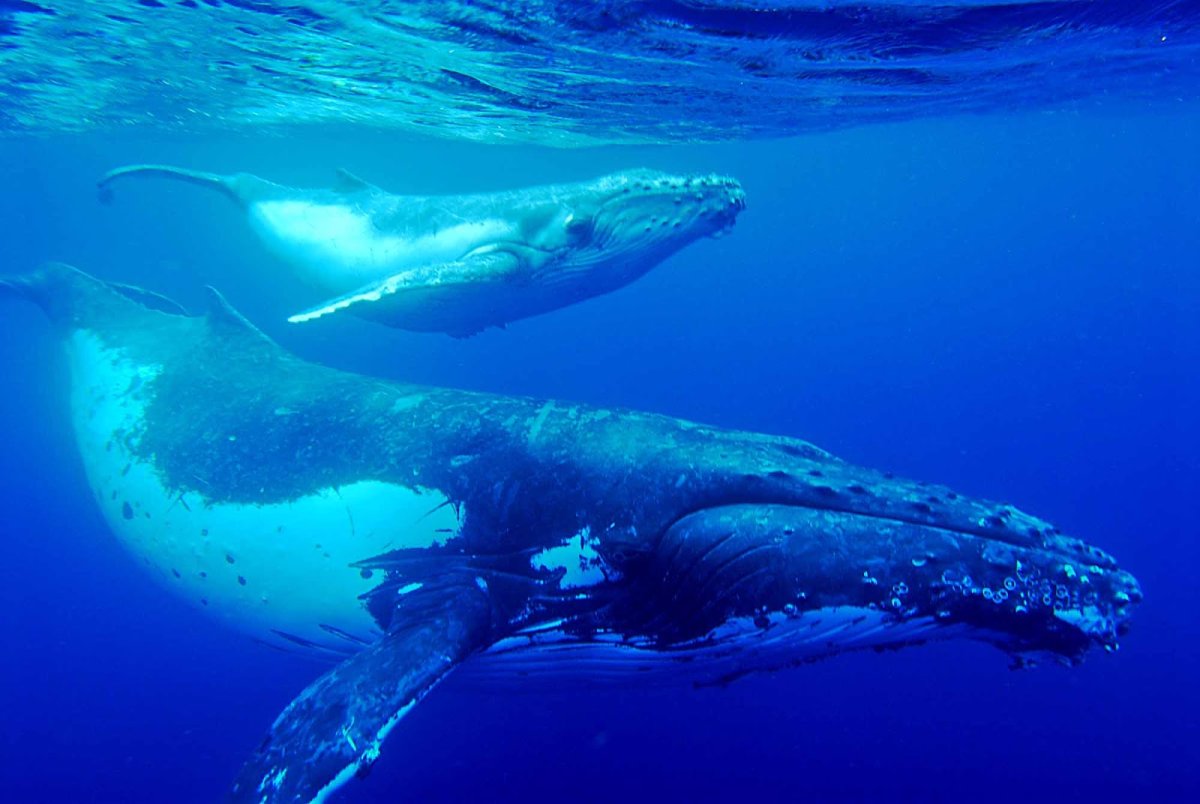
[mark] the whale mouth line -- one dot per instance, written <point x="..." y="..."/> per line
<point x="979" y="532"/>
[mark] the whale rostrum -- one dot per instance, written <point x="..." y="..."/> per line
<point x="403" y="531"/>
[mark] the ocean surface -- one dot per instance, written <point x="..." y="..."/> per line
<point x="969" y="256"/>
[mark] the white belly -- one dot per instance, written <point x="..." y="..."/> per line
<point x="338" y="248"/>
<point x="280" y="571"/>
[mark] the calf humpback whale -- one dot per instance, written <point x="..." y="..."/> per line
<point x="460" y="264"/>
<point x="405" y="530"/>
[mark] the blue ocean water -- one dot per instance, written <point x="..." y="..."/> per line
<point x="1005" y="302"/>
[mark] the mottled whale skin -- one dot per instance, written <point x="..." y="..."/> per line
<point x="462" y="263"/>
<point x="406" y="530"/>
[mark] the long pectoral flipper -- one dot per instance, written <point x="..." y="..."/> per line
<point x="387" y="297"/>
<point x="334" y="729"/>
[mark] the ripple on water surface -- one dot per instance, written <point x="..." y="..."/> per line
<point x="576" y="73"/>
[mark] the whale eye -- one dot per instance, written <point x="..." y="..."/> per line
<point x="577" y="227"/>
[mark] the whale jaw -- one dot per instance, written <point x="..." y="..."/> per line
<point x="736" y="589"/>
<point x="775" y="563"/>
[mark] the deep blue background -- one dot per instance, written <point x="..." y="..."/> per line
<point x="1009" y="305"/>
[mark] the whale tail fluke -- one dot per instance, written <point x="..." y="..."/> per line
<point x="215" y="181"/>
<point x="55" y="287"/>
<point x="70" y="297"/>
<point x="20" y="287"/>
<point x="40" y="286"/>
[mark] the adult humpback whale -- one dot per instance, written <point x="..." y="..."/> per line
<point x="460" y="264"/>
<point x="407" y="530"/>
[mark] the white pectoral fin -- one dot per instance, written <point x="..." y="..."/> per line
<point x="478" y="267"/>
<point x="373" y="292"/>
<point x="335" y="728"/>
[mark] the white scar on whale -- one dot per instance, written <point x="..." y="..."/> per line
<point x="270" y="570"/>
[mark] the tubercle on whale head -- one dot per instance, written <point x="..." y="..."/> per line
<point x="734" y="525"/>
<point x="710" y="527"/>
<point x="768" y="562"/>
<point x="651" y="210"/>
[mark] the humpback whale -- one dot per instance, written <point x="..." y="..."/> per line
<point x="403" y="531"/>
<point x="460" y="264"/>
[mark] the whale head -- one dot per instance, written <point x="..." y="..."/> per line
<point x="621" y="225"/>
<point x="780" y="555"/>
<point x="642" y="209"/>
<point x="771" y="585"/>
<point x="646" y="201"/>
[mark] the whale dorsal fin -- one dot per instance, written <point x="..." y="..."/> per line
<point x="222" y="312"/>
<point x="347" y="182"/>
<point x="335" y="728"/>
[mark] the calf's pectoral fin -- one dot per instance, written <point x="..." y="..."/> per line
<point x="386" y="297"/>
<point x="334" y="729"/>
